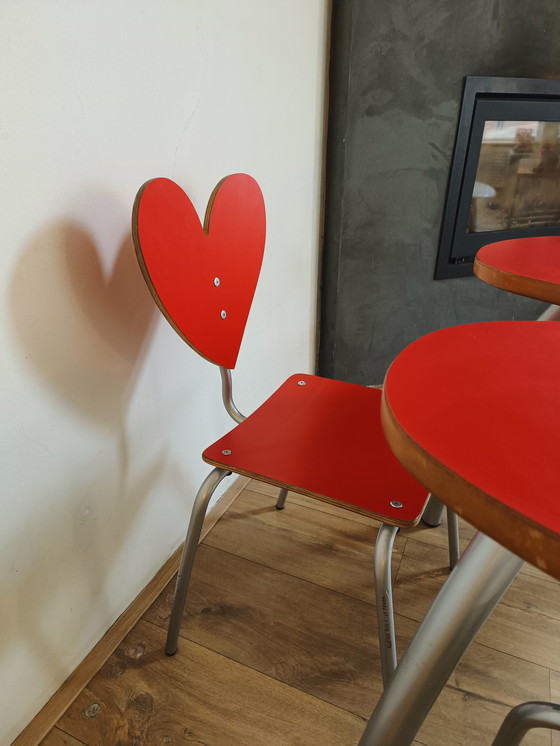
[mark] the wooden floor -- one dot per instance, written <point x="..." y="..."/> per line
<point x="279" y="644"/>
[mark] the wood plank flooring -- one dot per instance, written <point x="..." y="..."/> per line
<point x="279" y="643"/>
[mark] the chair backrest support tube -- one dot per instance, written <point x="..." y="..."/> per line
<point x="227" y="395"/>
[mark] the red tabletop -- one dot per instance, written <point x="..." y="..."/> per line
<point x="473" y="412"/>
<point x="526" y="266"/>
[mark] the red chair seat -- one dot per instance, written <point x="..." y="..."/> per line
<point x="323" y="439"/>
<point x="472" y="411"/>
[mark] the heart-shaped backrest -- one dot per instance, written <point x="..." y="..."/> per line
<point x="203" y="277"/>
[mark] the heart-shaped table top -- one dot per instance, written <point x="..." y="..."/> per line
<point x="473" y="413"/>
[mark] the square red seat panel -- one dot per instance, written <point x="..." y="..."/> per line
<point x="323" y="438"/>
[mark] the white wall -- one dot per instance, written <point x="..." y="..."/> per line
<point x="105" y="410"/>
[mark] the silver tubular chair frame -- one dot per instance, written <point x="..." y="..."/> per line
<point x="433" y="515"/>
<point x="202" y="499"/>
<point x="384" y="600"/>
<point x="200" y="507"/>
<point x="523" y="718"/>
<point x="384" y="586"/>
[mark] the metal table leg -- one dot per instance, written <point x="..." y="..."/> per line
<point x="471" y="592"/>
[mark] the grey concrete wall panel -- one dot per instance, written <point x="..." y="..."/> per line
<point x="396" y="83"/>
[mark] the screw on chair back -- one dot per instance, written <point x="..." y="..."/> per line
<point x="203" y="277"/>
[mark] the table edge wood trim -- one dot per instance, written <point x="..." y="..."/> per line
<point x="45" y="720"/>
<point x="529" y="540"/>
<point x="529" y="287"/>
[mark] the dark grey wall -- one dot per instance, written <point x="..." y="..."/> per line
<point x="397" y="71"/>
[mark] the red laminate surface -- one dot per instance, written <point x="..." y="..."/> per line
<point x="479" y="406"/>
<point x="199" y="273"/>
<point x="323" y="438"/>
<point x="527" y="266"/>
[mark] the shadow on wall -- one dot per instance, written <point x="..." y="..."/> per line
<point x="84" y="332"/>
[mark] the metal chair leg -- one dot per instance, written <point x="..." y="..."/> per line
<point x="384" y="600"/>
<point x="189" y="552"/>
<point x="433" y="514"/>
<point x="453" y="538"/>
<point x="524" y="718"/>
<point x="282" y="495"/>
<point x="462" y="606"/>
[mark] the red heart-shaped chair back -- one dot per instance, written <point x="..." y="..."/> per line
<point x="203" y="277"/>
